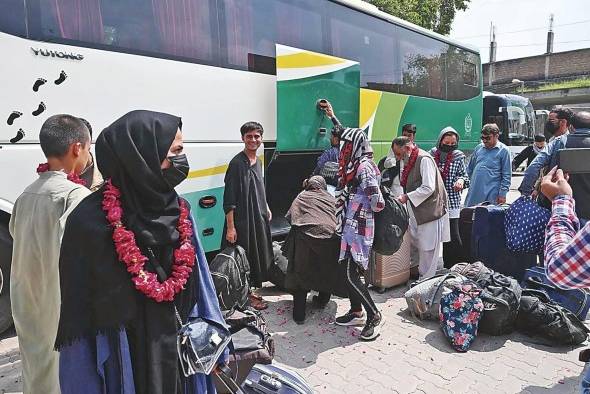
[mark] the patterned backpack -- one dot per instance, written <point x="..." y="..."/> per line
<point x="525" y="224"/>
<point x="461" y="309"/>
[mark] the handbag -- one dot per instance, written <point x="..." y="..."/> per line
<point x="461" y="309"/>
<point x="199" y="342"/>
<point x="525" y="224"/>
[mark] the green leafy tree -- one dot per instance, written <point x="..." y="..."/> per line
<point x="434" y="15"/>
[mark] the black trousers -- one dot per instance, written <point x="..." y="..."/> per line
<point x="453" y="250"/>
<point x="357" y="291"/>
<point x="300" y="303"/>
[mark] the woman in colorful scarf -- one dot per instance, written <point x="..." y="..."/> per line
<point x="451" y="163"/>
<point x="357" y="198"/>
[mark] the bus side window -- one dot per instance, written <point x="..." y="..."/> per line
<point x="370" y="41"/>
<point x="175" y="28"/>
<point x="12" y="17"/>
<point x="249" y="29"/>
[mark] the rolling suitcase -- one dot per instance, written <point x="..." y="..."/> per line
<point x="465" y="231"/>
<point x="389" y="271"/>
<point x="576" y="301"/>
<point x="488" y="243"/>
<point x="264" y="379"/>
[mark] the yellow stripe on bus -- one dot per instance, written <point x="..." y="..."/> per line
<point x="214" y="170"/>
<point x="306" y="59"/>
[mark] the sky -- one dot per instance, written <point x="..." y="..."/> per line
<point x="521" y="26"/>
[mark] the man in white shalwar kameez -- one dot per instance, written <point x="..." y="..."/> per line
<point x="36" y="225"/>
<point x="426" y="199"/>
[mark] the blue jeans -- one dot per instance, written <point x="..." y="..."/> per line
<point x="585" y="381"/>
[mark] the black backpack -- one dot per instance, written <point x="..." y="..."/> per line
<point x="501" y="297"/>
<point x="230" y="271"/>
<point x="391" y="224"/>
<point x="539" y="316"/>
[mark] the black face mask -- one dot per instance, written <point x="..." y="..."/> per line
<point x="448" y="148"/>
<point x="178" y="172"/>
<point x="551" y="127"/>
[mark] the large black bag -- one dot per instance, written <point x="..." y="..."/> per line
<point x="501" y="297"/>
<point x="539" y="316"/>
<point x="230" y="271"/>
<point x="391" y="224"/>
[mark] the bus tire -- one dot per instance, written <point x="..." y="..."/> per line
<point x="5" y="262"/>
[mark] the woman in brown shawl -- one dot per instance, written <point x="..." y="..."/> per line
<point x="312" y="248"/>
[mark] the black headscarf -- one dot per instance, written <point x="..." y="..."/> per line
<point x="130" y="152"/>
<point x="97" y="294"/>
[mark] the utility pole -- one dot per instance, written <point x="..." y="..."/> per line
<point x="493" y="47"/>
<point x="550" y="35"/>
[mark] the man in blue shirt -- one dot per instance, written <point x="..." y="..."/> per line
<point x="489" y="170"/>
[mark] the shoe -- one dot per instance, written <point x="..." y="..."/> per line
<point x="257" y="302"/>
<point x="372" y="328"/>
<point x="351" y="319"/>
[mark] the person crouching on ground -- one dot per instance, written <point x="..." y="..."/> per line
<point x="451" y="164"/>
<point x="357" y="198"/>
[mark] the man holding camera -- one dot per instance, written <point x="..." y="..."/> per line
<point x="567" y="248"/>
<point x="330" y="155"/>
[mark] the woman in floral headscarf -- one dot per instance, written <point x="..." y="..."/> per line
<point x="357" y="198"/>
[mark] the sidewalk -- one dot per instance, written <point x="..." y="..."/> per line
<point x="410" y="356"/>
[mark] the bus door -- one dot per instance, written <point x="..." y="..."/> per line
<point x="303" y="131"/>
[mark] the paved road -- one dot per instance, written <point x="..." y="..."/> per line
<point x="411" y="356"/>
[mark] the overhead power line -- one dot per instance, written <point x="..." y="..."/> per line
<point x="537" y="44"/>
<point x="524" y="30"/>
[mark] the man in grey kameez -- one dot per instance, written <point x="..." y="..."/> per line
<point x="36" y="225"/>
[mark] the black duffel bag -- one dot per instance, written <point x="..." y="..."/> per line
<point x="391" y="224"/>
<point x="501" y="297"/>
<point x="539" y="316"/>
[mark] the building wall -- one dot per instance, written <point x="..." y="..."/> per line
<point x="535" y="68"/>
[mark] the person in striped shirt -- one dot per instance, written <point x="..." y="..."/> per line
<point x="567" y="247"/>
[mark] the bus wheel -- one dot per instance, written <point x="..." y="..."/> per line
<point x="5" y="260"/>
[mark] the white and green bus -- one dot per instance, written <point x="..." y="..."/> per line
<point x="216" y="64"/>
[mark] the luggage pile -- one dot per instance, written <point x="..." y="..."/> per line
<point x="252" y="348"/>
<point x="472" y="298"/>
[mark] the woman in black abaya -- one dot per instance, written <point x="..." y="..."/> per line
<point x="112" y="337"/>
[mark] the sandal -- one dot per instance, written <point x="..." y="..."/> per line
<point x="257" y="302"/>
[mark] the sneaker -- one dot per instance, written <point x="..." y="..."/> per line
<point x="372" y="328"/>
<point x="351" y="319"/>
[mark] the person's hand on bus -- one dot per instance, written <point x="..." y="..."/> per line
<point x="501" y="200"/>
<point x="328" y="109"/>
<point x="458" y="186"/>
<point x="232" y="235"/>
<point x="555" y="183"/>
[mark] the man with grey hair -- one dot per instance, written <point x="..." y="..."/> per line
<point x="489" y="170"/>
<point x="426" y="198"/>
<point x="36" y="225"/>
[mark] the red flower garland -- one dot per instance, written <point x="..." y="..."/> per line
<point x="447" y="168"/>
<point x="408" y="167"/>
<point x="130" y="254"/>
<point x="72" y="177"/>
